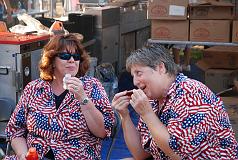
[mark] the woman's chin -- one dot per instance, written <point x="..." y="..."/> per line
<point x="148" y="95"/>
<point x="72" y="73"/>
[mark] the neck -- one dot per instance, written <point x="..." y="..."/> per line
<point x="57" y="85"/>
<point x="167" y="85"/>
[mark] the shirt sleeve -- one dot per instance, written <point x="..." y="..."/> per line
<point x="100" y="99"/>
<point x="16" y="126"/>
<point x="199" y="122"/>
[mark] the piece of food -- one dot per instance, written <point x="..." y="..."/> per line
<point x="66" y="77"/>
<point x="129" y="93"/>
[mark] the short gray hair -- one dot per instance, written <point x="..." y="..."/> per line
<point x="152" y="55"/>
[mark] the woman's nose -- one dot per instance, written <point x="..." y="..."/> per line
<point x="71" y="59"/>
<point x="135" y="81"/>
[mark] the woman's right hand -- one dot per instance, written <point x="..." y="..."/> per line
<point x="120" y="102"/>
<point x="20" y="148"/>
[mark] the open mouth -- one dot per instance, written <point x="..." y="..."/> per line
<point x="143" y="88"/>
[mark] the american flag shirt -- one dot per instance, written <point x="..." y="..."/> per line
<point x="63" y="130"/>
<point x="197" y="122"/>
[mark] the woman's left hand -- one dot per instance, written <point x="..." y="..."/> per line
<point x="140" y="102"/>
<point x="75" y="86"/>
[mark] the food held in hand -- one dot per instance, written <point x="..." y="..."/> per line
<point x="66" y="77"/>
<point x="129" y="93"/>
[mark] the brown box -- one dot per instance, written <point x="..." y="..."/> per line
<point x="167" y="9"/>
<point x="235" y="32"/>
<point x="210" y="30"/>
<point x="225" y="57"/>
<point x="220" y="79"/>
<point x="170" y="30"/>
<point x="211" y="10"/>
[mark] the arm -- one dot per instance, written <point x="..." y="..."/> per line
<point x="94" y="119"/>
<point x="159" y="132"/>
<point x="97" y="110"/>
<point x="133" y="144"/>
<point x="7" y="6"/>
<point x="9" y="10"/>
<point x="20" y="147"/>
<point x="120" y="102"/>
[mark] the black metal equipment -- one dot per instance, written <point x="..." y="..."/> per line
<point x="84" y="24"/>
<point x="77" y="23"/>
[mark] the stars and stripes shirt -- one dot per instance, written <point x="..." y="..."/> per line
<point x="196" y="120"/>
<point x="63" y="130"/>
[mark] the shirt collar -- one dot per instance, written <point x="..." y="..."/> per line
<point x="172" y="89"/>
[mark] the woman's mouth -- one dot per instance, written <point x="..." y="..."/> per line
<point x="70" y="68"/>
<point x="143" y="88"/>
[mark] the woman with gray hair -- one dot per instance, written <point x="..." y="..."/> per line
<point x="180" y="118"/>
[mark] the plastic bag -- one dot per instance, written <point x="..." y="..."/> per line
<point x="32" y="24"/>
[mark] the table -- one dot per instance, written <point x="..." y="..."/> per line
<point x="192" y="43"/>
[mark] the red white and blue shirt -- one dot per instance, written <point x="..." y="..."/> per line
<point x="63" y="130"/>
<point x="197" y="122"/>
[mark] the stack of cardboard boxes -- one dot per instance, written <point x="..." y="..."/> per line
<point x="201" y="21"/>
<point x="220" y="67"/>
<point x="235" y="31"/>
<point x="210" y="21"/>
<point x="169" y="19"/>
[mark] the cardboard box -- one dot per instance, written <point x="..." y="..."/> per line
<point x="216" y="79"/>
<point x="225" y="57"/>
<point x="170" y="30"/>
<point x="211" y="10"/>
<point x="231" y="105"/>
<point x="235" y="32"/>
<point x="220" y="79"/>
<point x="210" y="30"/>
<point x="167" y="9"/>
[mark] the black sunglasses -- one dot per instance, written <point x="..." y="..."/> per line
<point x="67" y="56"/>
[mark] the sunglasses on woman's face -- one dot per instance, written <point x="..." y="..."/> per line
<point x="67" y="56"/>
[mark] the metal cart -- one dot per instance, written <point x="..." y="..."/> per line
<point x="20" y="55"/>
<point x="192" y="43"/>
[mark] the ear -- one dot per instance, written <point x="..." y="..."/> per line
<point x="161" y="68"/>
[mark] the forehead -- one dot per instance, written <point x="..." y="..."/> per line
<point x="138" y="67"/>
<point x="70" y="49"/>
